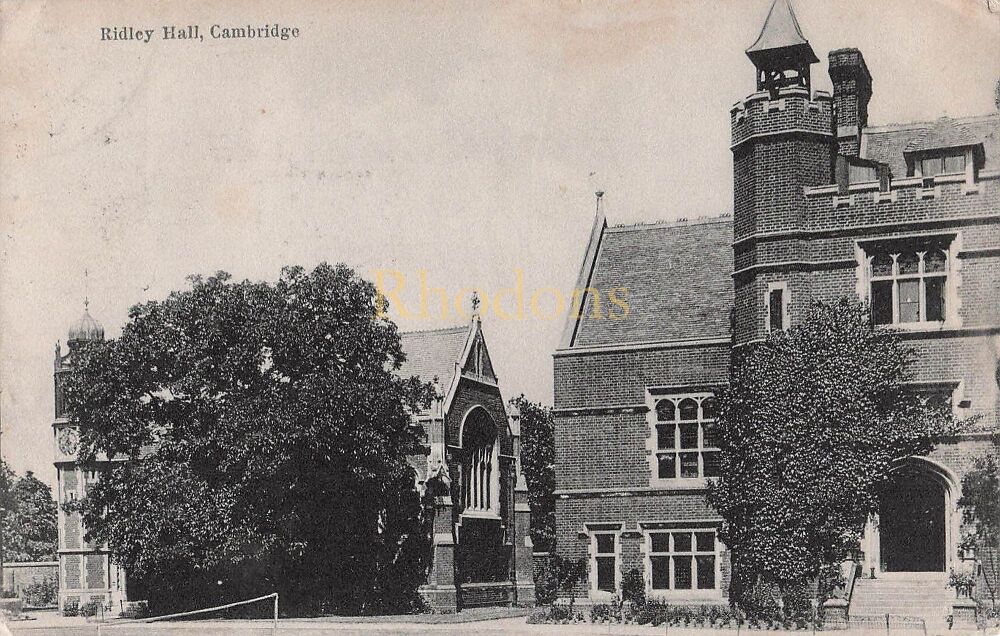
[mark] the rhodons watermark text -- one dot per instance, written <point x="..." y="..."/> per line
<point x="508" y="303"/>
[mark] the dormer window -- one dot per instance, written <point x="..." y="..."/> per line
<point x="946" y="164"/>
<point x="945" y="149"/>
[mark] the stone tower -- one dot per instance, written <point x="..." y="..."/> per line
<point x="86" y="573"/>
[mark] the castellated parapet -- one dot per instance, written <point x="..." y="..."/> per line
<point x="792" y="112"/>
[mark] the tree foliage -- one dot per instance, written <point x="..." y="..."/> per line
<point x="266" y="434"/>
<point x="980" y="504"/>
<point x="538" y="465"/>
<point x="810" y="426"/>
<point x="29" y="517"/>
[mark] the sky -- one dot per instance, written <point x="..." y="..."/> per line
<point x="461" y="141"/>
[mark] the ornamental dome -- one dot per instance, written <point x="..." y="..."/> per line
<point x="86" y="329"/>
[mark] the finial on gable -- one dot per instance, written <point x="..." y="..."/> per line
<point x="475" y="304"/>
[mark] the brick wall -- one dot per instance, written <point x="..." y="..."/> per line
<point x="71" y="569"/>
<point x="95" y="568"/>
<point x="621" y="377"/>
<point x="17" y="576"/>
<point x="575" y="513"/>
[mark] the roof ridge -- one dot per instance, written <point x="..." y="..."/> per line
<point x="456" y="329"/>
<point x="680" y="222"/>
<point x="912" y="125"/>
<point x="944" y="133"/>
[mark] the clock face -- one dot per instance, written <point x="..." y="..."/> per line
<point x="69" y="441"/>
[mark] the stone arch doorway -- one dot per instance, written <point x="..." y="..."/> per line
<point x="915" y="530"/>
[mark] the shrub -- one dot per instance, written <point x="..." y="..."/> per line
<point x="71" y="607"/>
<point x="41" y="593"/>
<point x="555" y="615"/>
<point x="758" y="603"/>
<point x="603" y="613"/>
<point x="546" y="585"/>
<point x="92" y="607"/>
<point x="8" y="594"/>
<point x="634" y="587"/>
<point x="559" y="575"/>
<point x="797" y="602"/>
<point x="652" y="612"/>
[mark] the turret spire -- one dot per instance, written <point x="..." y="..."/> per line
<point x="781" y="53"/>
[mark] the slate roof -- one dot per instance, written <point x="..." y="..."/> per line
<point x="678" y="277"/>
<point x="433" y="353"/>
<point x="888" y="144"/>
<point x="945" y="133"/>
<point x="781" y="30"/>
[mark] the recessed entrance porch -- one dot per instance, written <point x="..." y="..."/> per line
<point x="916" y="528"/>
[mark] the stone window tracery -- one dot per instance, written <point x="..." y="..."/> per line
<point x="908" y="284"/>
<point x="480" y="473"/>
<point x="684" y="441"/>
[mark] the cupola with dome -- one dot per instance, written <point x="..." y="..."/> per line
<point x="86" y="328"/>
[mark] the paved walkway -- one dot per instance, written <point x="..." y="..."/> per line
<point x="60" y="626"/>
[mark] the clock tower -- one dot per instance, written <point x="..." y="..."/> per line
<point x="86" y="573"/>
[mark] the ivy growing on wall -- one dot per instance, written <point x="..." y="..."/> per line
<point x="812" y="422"/>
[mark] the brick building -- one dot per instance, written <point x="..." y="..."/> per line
<point x="470" y="474"/>
<point x="905" y="216"/>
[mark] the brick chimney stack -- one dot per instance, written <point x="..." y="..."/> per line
<point x="852" y="89"/>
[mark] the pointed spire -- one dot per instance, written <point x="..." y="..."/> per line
<point x="781" y="30"/>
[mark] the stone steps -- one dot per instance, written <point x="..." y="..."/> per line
<point x="915" y="595"/>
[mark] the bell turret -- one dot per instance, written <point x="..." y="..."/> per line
<point x="781" y="53"/>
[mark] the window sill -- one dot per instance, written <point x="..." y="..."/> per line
<point x="939" y="325"/>
<point x="687" y="595"/>
<point x="601" y="595"/>
<point x="480" y="514"/>
<point x="950" y="177"/>
<point x="681" y="483"/>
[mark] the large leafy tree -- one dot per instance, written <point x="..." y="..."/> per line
<point x="980" y="503"/>
<point x="538" y="465"/>
<point x="810" y="426"/>
<point x="34" y="535"/>
<point x="29" y="517"/>
<point x="266" y="433"/>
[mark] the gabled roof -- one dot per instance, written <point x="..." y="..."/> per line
<point x="447" y="354"/>
<point x="433" y="354"/>
<point x="945" y="133"/>
<point x="889" y="144"/>
<point x="678" y="282"/>
<point x="781" y="36"/>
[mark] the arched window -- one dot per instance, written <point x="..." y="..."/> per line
<point x="686" y="442"/>
<point x="908" y="282"/>
<point x="480" y="474"/>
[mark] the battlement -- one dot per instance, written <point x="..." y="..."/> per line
<point x="907" y="188"/>
<point x="794" y="110"/>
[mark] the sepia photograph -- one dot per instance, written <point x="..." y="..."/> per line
<point x="610" y="317"/>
